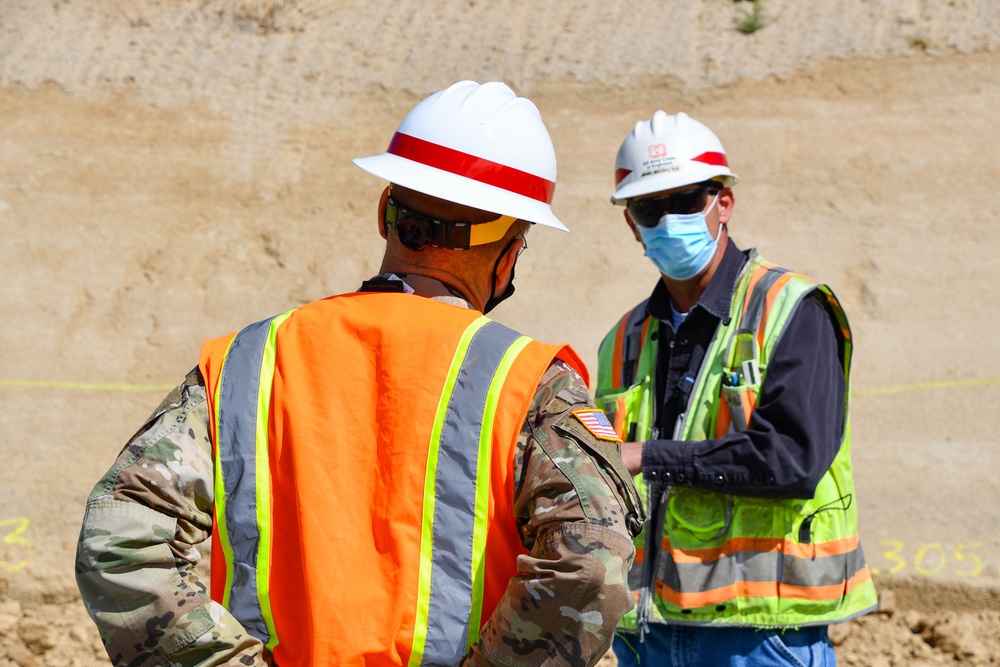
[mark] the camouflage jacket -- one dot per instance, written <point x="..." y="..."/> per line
<point x="575" y="506"/>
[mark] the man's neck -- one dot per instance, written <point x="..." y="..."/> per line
<point x="431" y="282"/>
<point x="684" y="294"/>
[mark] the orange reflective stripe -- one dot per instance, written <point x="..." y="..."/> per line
<point x="845" y="330"/>
<point x="640" y="552"/>
<point x="619" y="417"/>
<point x="761" y="544"/>
<point x="723" y="419"/>
<point x="758" y="273"/>
<point x="762" y="589"/>
<point x="749" y="400"/>
<point x="645" y="330"/>
<point x="769" y="300"/>
<point x="860" y="577"/>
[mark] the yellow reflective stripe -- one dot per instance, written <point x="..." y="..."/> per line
<point x="430" y="478"/>
<point x="483" y="487"/>
<point x="263" y="479"/>
<point x="220" y="487"/>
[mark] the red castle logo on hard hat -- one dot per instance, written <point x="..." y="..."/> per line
<point x="658" y="150"/>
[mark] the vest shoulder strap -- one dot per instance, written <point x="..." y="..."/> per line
<point x="766" y="277"/>
<point x="633" y="331"/>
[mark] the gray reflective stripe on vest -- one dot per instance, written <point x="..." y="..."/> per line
<point x="759" y="566"/>
<point x="237" y="423"/>
<point x="455" y="497"/>
<point x="751" y="318"/>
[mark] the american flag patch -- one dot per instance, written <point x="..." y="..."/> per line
<point x="596" y="422"/>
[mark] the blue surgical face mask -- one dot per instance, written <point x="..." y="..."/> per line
<point x="680" y="245"/>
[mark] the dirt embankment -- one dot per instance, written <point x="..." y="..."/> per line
<point x="919" y="625"/>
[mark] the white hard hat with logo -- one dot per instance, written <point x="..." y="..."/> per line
<point x="668" y="152"/>
<point x="479" y="145"/>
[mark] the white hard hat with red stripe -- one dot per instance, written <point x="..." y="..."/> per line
<point x="668" y="152"/>
<point x="477" y="145"/>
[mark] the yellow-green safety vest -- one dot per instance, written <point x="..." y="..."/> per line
<point x="715" y="558"/>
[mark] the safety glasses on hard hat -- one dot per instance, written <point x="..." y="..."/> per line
<point x="417" y="231"/>
<point x="647" y="212"/>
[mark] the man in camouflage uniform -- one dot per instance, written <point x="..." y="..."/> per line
<point x="573" y="504"/>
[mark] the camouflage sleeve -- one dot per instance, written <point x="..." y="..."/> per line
<point x="138" y="550"/>
<point x="577" y="511"/>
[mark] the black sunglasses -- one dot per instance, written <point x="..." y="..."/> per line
<point x="647" y="212"/>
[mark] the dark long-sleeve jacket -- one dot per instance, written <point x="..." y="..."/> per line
<point x="796" y="429"/>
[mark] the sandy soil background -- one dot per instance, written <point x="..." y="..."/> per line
<point x="171" y="171"/>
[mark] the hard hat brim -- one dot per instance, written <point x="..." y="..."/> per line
<point x="670" y="180"/>
<point x="445" y="185"/>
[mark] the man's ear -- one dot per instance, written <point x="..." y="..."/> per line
<point x="506" y="264"/>
<point x="727" y="201"/>
<point x="381" y="212"/>
<point x="631" y="225"/>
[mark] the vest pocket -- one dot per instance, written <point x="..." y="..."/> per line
<point x="629" y="410"/>
<point x="705" y="515"/>
<point x="741" y="402"/>
<point x="741" y="380"/>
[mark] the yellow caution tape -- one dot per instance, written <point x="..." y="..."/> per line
<point x="921" y="386"/>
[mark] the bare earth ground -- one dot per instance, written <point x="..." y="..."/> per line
<point x="171" y="171"/>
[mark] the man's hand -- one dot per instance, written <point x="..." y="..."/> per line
<point x="632" y="456"/>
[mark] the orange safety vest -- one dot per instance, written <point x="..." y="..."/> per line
<point x="364" y="449"/>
